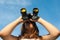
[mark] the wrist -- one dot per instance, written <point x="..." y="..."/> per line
<point x="19" y="20"/>
<point x="38" y="20"/>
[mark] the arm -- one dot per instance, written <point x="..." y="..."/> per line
<point x="9" y="28"/>
<point x="53" y="31"/>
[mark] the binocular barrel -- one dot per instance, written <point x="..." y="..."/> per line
<point x="35" y="11"/>
<point x="24" y="14"/>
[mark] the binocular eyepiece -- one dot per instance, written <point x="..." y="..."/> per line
<point x="26" y="16"/>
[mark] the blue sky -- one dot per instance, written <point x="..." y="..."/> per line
<point x="48" y="10"/>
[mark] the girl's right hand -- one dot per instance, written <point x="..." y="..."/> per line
<point x="21" y="20"/>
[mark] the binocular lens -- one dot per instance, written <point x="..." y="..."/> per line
<point x="35" y="10"/>
<point x="23" y="10"/>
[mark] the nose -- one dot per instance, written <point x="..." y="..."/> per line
<point x="31" y="26"/>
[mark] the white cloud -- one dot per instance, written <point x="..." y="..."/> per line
<point x="16" y="2"/>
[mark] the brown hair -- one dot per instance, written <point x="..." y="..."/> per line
<point x="23" y="31"/>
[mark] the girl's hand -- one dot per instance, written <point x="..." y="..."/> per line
<point x="21" y="20"/>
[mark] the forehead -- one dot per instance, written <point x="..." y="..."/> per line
<point x="30" y="39"/>
<point x="28" y="22"/>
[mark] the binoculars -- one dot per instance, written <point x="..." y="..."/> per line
<point x="26" y="16"/>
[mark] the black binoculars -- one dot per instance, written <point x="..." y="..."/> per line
<point x="26" y="16"/>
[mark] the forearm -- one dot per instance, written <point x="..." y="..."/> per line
<point x="9" y="28"/>
<point x="50" y="28"/>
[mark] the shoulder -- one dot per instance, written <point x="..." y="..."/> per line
<point x="48" y="37"/>
<point x="10" y="37"/>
